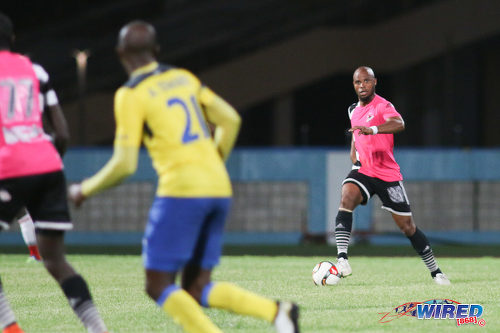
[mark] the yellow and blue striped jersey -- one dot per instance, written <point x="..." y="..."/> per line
<point x="162" y="107"/>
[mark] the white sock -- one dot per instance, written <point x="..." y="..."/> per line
<point x="27" y="229"/>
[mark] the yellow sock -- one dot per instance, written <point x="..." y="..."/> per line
<point x="224" y="295"/>
<point x="186" y="312"/>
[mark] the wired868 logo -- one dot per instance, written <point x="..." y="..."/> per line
<point x="438" y="309"/>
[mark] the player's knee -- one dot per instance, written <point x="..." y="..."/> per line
<point x="351" y="196"/>
<point x="407" y="227"/>
<point x="349" y="200"/>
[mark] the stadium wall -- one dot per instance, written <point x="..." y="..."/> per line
<point x="285" y="196"/>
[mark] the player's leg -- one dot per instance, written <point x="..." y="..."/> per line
<point x="51" y="244"/>
<point x="196" y="279"/>
<point x="52" y="247"/>
<point x="354" y="192"/>
<point x="9" y="206"/>
<point x="177" y="303"/>
<point x="395" y="200"/>
<point x="49" y="210"/>
<point x="224" y="295"/>
<point x="8" y="321"/>
<point x="169" y="241"/>
<point x="421" y="245"/>
<point x="228" y="296"/>
<point x="351" y="198"/>
<point x="28" y="233"/>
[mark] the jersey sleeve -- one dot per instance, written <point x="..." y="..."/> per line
<point x="129" y="117"/>
<point x="350" y="109"/>
<point x="389" y="111"/>
<point x="225" y="118"/>
<point x="49" y="96"/>
<point x="206" y="96"/>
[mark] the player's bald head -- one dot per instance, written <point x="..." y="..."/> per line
<point x="137" y="37"/>
<point x="365" y="70"/>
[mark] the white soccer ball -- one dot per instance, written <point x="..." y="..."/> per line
<point x="325" y="274"/>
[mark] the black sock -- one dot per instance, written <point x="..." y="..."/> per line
<point x="76" y="291"/>
<point x="78" y="295"/>
<point x="421" y="244"/>
<point x="343" y="227"/>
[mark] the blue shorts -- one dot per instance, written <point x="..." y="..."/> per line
<point x="182" y="231"/>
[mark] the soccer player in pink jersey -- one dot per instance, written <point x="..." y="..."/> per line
<point x="31" y="176"/>
<point x="374" y="120"/>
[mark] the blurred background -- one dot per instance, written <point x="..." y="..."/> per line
<point x="287" y="65"/>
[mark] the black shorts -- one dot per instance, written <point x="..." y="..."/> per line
<point x="392" y="194"/>
<point x="44" y="196"/>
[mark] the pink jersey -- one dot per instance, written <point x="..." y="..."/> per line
<point x="24" y="147"/>
<point x="375" y="151"/>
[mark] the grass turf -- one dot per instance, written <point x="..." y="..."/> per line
<point x="378" y="285"/>
<point x="359" y="249"/>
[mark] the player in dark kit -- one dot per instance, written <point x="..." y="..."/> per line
<point x="374" y="121"/>
<point x="31" y="176"/>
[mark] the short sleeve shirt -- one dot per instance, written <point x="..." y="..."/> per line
<point x="25" y="149"/>
<point x="375" y="151"/>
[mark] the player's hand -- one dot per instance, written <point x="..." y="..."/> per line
<point x="362" y="130"/>
<point x="75" y="194"/>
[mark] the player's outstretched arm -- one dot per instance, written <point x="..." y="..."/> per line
<point x="225" y="118"/>
<point x="392" y="125"/>
<point x="122" y="164"/>
<point x="129" y="123"/>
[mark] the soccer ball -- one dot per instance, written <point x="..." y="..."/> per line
<point x="325" y="274"/>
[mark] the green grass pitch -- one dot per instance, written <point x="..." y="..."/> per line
<point x="378" y="285"/>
